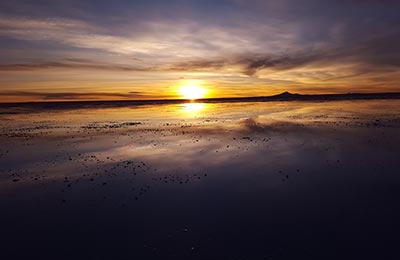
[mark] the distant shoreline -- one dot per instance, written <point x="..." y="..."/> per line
<point x="285" y="96"/>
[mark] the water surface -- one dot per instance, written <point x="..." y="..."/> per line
<point x="268" y="180"/>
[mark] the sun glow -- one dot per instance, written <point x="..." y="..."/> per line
<point x="192" y="92"/>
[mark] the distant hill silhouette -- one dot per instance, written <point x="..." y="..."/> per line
<point x="286" y="94"/>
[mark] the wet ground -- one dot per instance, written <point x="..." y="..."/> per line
<point x="272" y="180"/>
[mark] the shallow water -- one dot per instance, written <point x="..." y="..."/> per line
<point x="272" y="180"/>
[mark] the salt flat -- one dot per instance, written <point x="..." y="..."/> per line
<point x="252" y="180"/>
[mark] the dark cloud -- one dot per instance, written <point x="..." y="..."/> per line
<point x="71" y="95"/>
<point x="70" y="64"/>
<point x="375" y="54"/>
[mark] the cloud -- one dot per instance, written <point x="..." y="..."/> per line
<point x="377" y="53"/>
<point x="159" y="40"/>
<point x="74" y="33"/>
<point x="71" y="95"/>
<point x="240" y="42"/>
<point x="70" y="64"/>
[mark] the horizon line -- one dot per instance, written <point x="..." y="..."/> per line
<point x="284" y="96"/>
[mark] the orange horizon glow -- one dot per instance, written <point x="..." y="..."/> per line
<point x="179" y="93"/>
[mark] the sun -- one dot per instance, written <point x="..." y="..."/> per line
<point x="192" y="92"/>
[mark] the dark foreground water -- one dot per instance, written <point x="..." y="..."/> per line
<point x="274" y="180"/>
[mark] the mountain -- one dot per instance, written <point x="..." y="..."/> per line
<point x="286" y="94"/>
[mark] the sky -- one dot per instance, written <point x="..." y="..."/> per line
<point x="144" y="49"/>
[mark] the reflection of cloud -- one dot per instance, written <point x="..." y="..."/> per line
<point x="252" y="125"/>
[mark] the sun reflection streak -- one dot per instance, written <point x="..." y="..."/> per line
<point x="193" y="108"/>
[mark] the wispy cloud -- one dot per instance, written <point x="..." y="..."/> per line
<point x="169" y="40"/>
<point x="73" y="33"/>
<point x="70" y="64"/>
<point x="72" y="95"/>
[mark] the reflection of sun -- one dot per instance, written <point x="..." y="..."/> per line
<point x="192" y="92"/>
<point x="193" y="108"/>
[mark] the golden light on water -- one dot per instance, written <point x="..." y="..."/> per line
<point x="193" y="109"/>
